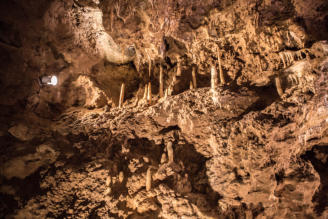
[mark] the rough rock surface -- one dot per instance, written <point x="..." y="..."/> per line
<point x="231" y="157"/>
<point x="254" y="146"/>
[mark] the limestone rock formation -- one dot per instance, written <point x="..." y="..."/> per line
<point x="252" y="144"/>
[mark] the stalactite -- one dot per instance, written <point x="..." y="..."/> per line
<point x="299" y="55"/>
<point x="122" y="93"/>
<point x="288" y="57"/>
<point x="194" y="76"/>
<point x="117" y="11"/>
<point x="161" y="82"/>
<point x="282" y="59"/>
<point x="221" y="74"/>
<point x="288" y="38"/>
<point x="148" y="179"/>
<point x="278" y="85"/>
<point x="293" y="79"/>
<point x="307" y="54"/>
<point x="149" y="93"/>
<point x="170" y="152"/>
<point x="291" y="56"/>
<point x="214" y="77"/>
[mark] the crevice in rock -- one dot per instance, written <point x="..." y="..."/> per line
<point x="318" y="156"/>
<point x="198" y="178"/>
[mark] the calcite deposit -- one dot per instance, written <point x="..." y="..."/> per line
<point x="164" y="109"/>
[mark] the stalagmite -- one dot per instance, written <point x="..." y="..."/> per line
<point x="148" y="179"/>
<point x="214" y="77"/>
<point x="179" y="68"/>
<point x="191" y="85"/>
<point x="170" y="90"/>
<point x="107" y="191"/>
<point x="174" y="79"/>
<point x="166" y="93"/>
<point x="108" y="181"/>
<point x="170" y="152"/>
<point x="221" y="74"/>
<point x="136" y="100"/>
<point x="163" y="158"/>
<point x="194" y="76"/>
<point x="121" y="177"/>
<point x="259" y="63"/>
<point x="149" y="93"/>
<point x="145" y="92"/>
<point x="161" y="82"/>
<point x="122" y="93"/>
<point x="278" y="86"/>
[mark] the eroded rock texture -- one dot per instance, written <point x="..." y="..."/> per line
<point x="251" y="144"/>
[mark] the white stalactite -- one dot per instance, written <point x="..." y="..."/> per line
<point x="278" y="85"/>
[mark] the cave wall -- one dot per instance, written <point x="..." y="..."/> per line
<point x="254" y="146"/>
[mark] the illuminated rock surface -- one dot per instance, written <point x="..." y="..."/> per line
<point x="256" y="146"/>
